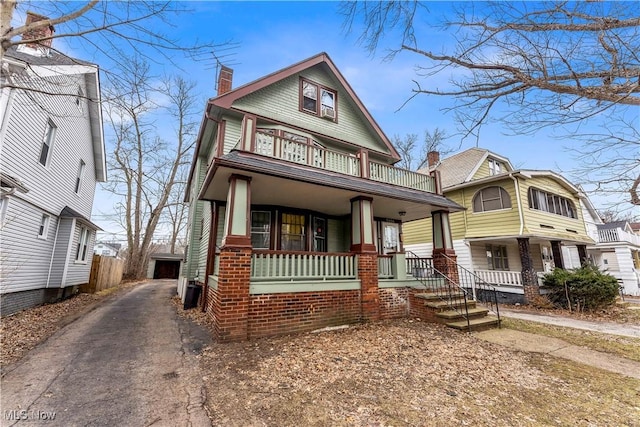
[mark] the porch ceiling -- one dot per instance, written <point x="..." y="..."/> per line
<point x="279" y="183"/>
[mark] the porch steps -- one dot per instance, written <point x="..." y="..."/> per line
<point x="479" y="324"/>
<point x="451" y="312"/>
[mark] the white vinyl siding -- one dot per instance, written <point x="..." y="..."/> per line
<point x="78" y="272"/>
<point x="25" y="257"/>
<point x="52" y="187"/>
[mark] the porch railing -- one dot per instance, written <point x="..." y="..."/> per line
<point x="276" y="265"/>
<point x="617" y="235"/>
<point x="278" y="147"/>
<point x="512" y="278"/>
<point x="402" y="177"/>
<point x="385" y="266"/>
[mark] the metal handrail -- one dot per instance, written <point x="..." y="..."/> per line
<point x="449" y="294"/>
<point x="476" y="283"/>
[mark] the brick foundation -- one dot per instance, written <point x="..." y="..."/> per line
<point x="284" y="313"/>
<point x="394" y="303"/>
<point x="445" y="261"/>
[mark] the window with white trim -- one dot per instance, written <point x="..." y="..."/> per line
<point x="79" y="177"/>
<point x="491" y="199"/>
<point x="83" y="243"/>
<point x="317" y="99"/>
<point x="44" y="226"/>
<point x="47" y="143"/>
<point x="549" y="202"/>
<point x="494" y="167"/>
<point x="497" y="258"/>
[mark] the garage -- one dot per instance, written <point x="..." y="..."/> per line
<point x="164" y="266"/>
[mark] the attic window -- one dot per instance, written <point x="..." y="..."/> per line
<point x="318" y="100"/>
<point x="494" y="167"/>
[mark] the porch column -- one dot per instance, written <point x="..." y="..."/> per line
<point x="556" y="250"/>
<point x="582" y="254"/>
<point x="363" y="245"/>
<point x="231" y="299"/>
<point x="444" y="257"/>
<point x="529" y="277"/>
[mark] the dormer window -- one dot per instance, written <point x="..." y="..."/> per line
<point x="494" y="167"/>
<point x="318" y="100"/>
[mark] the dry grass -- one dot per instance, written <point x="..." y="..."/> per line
<point x="407" y="373"/>
<point x="626" y="347"/>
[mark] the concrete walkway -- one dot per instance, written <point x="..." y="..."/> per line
<point x="625" y="330"/>
<point x="525" y="341"/>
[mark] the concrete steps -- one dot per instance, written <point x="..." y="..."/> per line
<point x="451" y="309"/>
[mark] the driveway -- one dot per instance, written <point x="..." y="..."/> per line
<point x="132" y="361"/>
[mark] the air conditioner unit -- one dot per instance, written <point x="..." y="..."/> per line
<point x="328" y="113"/>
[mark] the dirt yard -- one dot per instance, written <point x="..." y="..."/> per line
<point x="406" y="373"/>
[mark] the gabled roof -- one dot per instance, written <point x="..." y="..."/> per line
<point x="226" y="100"/>
<point x="615" y="224"/>
<point x="461" y="167"/>
<point x="58" y="64"/>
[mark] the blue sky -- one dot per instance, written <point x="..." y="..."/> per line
<point x="272" y="35"/>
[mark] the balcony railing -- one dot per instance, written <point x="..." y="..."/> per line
<point x="276" y="265"/>
<point x="277" y="147"/>
<point x="617" y="235"/>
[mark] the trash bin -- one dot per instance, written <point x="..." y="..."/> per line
<point x="192" y="295"/>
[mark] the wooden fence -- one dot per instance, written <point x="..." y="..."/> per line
<point x="106" y="272"/>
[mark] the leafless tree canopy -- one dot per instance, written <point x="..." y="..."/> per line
<point x="111" y="29"/>
<point x="146" y="163"/>
<point x="526" y="64"/>
<point x="414" y="153"/>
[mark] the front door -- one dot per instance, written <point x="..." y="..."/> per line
<point x="389" y="237"/>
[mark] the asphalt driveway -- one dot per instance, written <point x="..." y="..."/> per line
<point x="131" y="361"/>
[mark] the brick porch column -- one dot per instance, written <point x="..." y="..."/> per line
<point x="556" y="250"/>
<point x="362" y="243"/>
<point x="529" y="276"/>
<point x="231" y="300"/>
<point x="444" y="257"/>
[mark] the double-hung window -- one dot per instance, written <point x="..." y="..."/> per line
<point x="47" y="143"/>
<point x="261" y="229"/>
<point x="79" y="177"/>
<point x="494" y="167"/>
<point x="83" y="243"/>
<point x="317" y="99"/>
<point x="497" y="258"/>
<point x="292" y="232"/>
<point x="44" y="226"/>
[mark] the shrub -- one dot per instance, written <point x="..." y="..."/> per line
<point x="584" y="288"/>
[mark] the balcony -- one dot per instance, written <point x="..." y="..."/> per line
<point x="347" y="164"/>
<point x="617" y="235"/>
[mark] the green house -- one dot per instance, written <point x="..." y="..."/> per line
<point x="296" y="209"/>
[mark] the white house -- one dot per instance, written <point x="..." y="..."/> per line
<point x="52" y="155"/>
<point x="107" y="249"/>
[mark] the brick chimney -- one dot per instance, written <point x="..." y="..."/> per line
<point x="41" y="35"/>
<point x="433" y="158"/>
<point x="225" y="79"/>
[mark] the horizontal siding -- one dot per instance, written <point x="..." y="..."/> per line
<point x="280" y="102"/>
<point x="24" y="257"/>
<point x="480" y="260"/>
<point x="203" y="243"/>
<point x="483" y="170"/>
<point x="61" y="253"/>
<point x="535" y="219"/>
<point x="51" y="187"/>
<point x="78" y="271"/>
<point x="232" y="130"/>
<point x="503" y="222"/>
<point x="417" y="232"/>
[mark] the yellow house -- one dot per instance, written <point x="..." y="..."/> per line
<point x="517" y="224"/>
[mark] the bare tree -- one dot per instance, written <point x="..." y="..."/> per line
<point x="103" y="26"/>
<point x="527" y="64"/>
<point x="144" y="167"/>
<point x="413" y="154"/>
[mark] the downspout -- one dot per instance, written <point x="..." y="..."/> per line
<point x="520" y="213"/>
